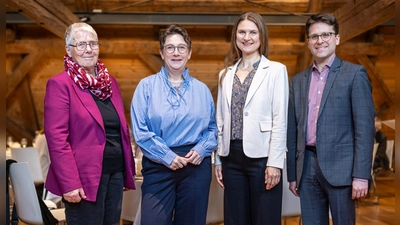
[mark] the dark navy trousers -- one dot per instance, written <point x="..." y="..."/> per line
<point x="317" y="196"/>
<point x="107" y="208"/>
<point x="175" y="197"/>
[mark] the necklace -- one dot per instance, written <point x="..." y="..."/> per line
<point x="175" y="82"/>
<point x="248" y="66"/>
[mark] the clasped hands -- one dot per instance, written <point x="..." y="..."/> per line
<point x="192" y="157"/>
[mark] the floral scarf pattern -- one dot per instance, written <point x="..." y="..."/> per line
<point x="99" y="86"/>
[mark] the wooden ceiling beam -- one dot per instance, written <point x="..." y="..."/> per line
<point x="22" y="47"/>
<point x="50" y="14"/>
<point x="153" y="62"/>
<point x="21" y="71"/>
<point x="29" y="46"/>
<point x="375" y="76"/>
<point x="361" y="48"/>
<point x="314" y="6"/>
<point x="131" y="47"/>
<point x="357" y="17"/>
<point x="17" y="131"/>
<point x="28" y="117"/>
<point x="82" y="5"/>
<point x="225" y="6"/>
<point x="59" y="10"/>
<point x="10" y="35"/>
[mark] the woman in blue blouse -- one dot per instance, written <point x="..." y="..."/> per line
<point x="173" y="121"/>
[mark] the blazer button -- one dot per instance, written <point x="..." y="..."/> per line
<point x="246" y="113"/>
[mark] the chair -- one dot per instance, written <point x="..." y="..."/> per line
<point x="131" y="202"/>
<point x="389" y="152"/>
<point x="290" y="202"/>
<point x="26" y="200"/>
<point x="215" y="210"/>
<point x="31" y="156"/>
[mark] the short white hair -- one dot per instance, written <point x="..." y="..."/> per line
<point x="76" y="27"/>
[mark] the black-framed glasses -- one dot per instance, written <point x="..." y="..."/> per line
<point x="81" y="46"/>
<point x="171" y="48"/>
<point x="326" y="36"/>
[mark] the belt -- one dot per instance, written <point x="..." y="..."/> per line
<point x="311" y="149"/>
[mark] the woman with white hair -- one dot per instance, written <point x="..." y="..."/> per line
<point x="87" y="134"/>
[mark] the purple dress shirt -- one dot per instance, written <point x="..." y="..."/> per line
<point x="317" y="85"/>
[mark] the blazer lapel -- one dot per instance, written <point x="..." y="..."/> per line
<point x="329" y="82"/>
<point x="258" y="78"/>
<point x="305" y="85"/>
<point x="119" y="108"/>
<point x="228" y="80"/>
<point x="88" y="102"/>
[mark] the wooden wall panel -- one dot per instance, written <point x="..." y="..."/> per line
<point x="290" y="61"/>
<point x="127" y="49"/>
<point x="386" y="67"/>
<point x="39" y="75"/>
<point x="12" y="61"/>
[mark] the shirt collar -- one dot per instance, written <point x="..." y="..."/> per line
<point x="164" y="73"/>
<point x="328" y="64"/>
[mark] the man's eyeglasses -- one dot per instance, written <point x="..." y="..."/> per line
<point x="81" y="46"/>
<point x="324" y="36"/>
<point x="171" y="48"/>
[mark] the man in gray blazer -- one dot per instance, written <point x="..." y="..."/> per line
<point x="330" y="130"/>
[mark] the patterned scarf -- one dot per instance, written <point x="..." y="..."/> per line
<point x="99" y="86"/>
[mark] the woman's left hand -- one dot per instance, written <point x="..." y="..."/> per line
<point x="272" y="177"/>
<point x="194" y="157"/>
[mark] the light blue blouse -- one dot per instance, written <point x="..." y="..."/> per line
<point x="162" y="117"/>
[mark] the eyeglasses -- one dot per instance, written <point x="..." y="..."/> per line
<point x="326" y="36"/>
<point x="81" y="46"/>
<point x="171" y="48"/>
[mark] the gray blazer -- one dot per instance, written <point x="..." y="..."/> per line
<point x="345" y="127"/>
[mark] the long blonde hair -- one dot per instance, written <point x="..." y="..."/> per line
<point x="234" y="52"/>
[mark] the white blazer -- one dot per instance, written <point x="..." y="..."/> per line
<point x="264" y="113"/>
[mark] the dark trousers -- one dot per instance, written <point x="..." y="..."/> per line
<point x="106" y="209"/>
<point x="246" y="200"/>
<point x="317" y="195"/>
<point x="177" y="197"/>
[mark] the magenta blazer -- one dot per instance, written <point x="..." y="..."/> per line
<point x="76" y="137"/>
